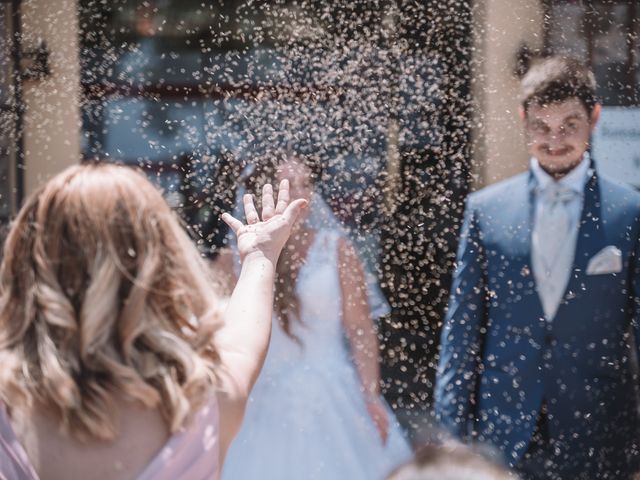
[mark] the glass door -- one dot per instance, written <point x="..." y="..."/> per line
<point x="10" y="114"/>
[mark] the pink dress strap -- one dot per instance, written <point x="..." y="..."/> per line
<point x="192" y="453"/>
<point x="14" y="463"/>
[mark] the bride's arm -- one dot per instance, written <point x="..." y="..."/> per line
<point x="360" y="331"/>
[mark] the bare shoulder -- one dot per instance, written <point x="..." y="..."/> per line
<point x="349" y="263"/>
<point x="54" y="455"/>
<point x="346" y="250"/>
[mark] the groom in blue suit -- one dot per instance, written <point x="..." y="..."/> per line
<point x="539" y="347"/>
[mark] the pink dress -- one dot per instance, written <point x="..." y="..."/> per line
<point x="191" y="454"/>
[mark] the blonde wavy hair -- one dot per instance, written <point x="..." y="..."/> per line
<point x="104" y="296"/>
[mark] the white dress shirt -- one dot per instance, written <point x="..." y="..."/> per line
<point x="555" y="232"/>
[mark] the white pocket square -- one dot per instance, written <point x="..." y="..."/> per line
<point x="607" y="260"/>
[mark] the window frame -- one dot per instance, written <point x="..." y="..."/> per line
<point x="15" y="106"/>
<point x="632" y="28"/>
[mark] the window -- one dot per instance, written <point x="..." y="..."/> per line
<point x="191" y="91"/>
<point x="10" y="113"/>
<point x="605" y="33"/>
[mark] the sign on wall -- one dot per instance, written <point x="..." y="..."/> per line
<point x="616" y="144"/>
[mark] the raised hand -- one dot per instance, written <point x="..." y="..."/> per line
<point x="244" y="336"/>
<point x="265" y="237"/>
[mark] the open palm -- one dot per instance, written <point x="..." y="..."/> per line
<point x="267" y="235"/>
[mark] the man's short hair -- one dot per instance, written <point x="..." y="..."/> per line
<point x="556" y="79"/>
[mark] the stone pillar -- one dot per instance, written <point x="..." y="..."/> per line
<point x="500" y="28"/>
<point x="52" y="119"/>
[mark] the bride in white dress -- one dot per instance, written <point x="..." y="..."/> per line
<point x="316" y="411"/>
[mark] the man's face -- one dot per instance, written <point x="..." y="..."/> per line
<point x="558" y="134"/>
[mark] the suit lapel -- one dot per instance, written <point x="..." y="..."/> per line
<point x="591" y="236"/>
<point x="523" y="218"/>
<point x="530" y="219"/>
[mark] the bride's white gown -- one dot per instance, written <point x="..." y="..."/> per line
<point x="306" y="418"/>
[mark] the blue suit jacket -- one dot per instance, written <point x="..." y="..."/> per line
<point x="500" y="359"/>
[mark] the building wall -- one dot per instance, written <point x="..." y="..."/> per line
<point x="500" y="28"/>
<point x="52" y="108"/>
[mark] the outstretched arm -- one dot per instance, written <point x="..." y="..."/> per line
<point x="460" y="343"/>
<point x="242" y="341"/>
<point x="361" y="332"/>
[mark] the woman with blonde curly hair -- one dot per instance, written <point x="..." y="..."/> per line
<point x="117" y="361"/>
